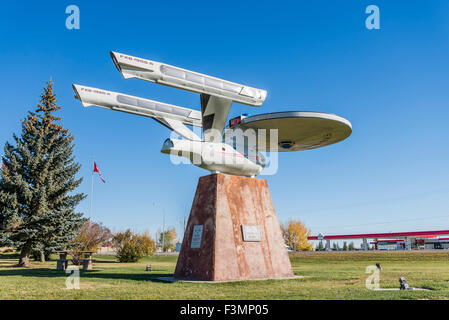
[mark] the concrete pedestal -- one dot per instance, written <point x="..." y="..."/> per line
<point x="224" y="205"/>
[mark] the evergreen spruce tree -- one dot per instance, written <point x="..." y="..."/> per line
<point x="320" y="246"/>
<point x="37" y="199"/>
<point x="351" y="246"/>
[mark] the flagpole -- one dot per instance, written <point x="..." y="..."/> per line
<point x="91" y="194"/>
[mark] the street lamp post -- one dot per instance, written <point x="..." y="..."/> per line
<point x="163" y="226"/>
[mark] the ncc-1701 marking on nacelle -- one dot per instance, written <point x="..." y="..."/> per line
<point x="240" y="150"/>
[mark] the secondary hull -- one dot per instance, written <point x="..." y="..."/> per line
<point x="215" y="157"/>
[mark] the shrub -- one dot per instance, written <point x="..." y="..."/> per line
<point x="131" y="247"/>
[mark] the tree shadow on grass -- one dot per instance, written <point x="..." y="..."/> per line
<point x="104" y="261"/>
<point x="97" y="274"/>
<point x="153" y="277"/>
<point x="32" y="272"/>
<point x="9" y="256"/>
<point x="92" y="274"/>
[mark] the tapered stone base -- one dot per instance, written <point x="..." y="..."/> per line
<point x="222" y="204"/>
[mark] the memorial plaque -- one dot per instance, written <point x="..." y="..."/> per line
<point x="197" y="236"/>
<point x="231" y="209"/>
<point x="251" y="233"/>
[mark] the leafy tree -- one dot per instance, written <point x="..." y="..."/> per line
<point x="335" y="246"/>
<point x="345" y="246"/>
<point x="131" y="247"/>
<point x="89" y="238"/>
<point x="167" y="240"/>
<point x="37" y="203"/>
<point x="295" y="235"/>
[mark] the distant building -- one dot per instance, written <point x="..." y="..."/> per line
<point x="417" y="240"/>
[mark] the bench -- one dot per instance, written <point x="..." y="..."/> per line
<point x="62" y="263"/>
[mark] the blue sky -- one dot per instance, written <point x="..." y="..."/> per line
<point x="391" y="174"/>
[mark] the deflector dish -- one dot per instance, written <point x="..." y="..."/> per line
<point x="298" y="130"/>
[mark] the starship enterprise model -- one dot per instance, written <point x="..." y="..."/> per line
<point x="290" y="130"/>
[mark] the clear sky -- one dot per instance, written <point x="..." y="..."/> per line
<point x="391" y="174"/>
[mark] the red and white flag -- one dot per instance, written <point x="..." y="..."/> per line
<point x="98" y="171"/>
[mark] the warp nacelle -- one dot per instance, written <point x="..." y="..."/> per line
<point x="161" y="73"/>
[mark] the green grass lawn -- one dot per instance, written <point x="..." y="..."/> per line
<point x="334" y="275"/>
